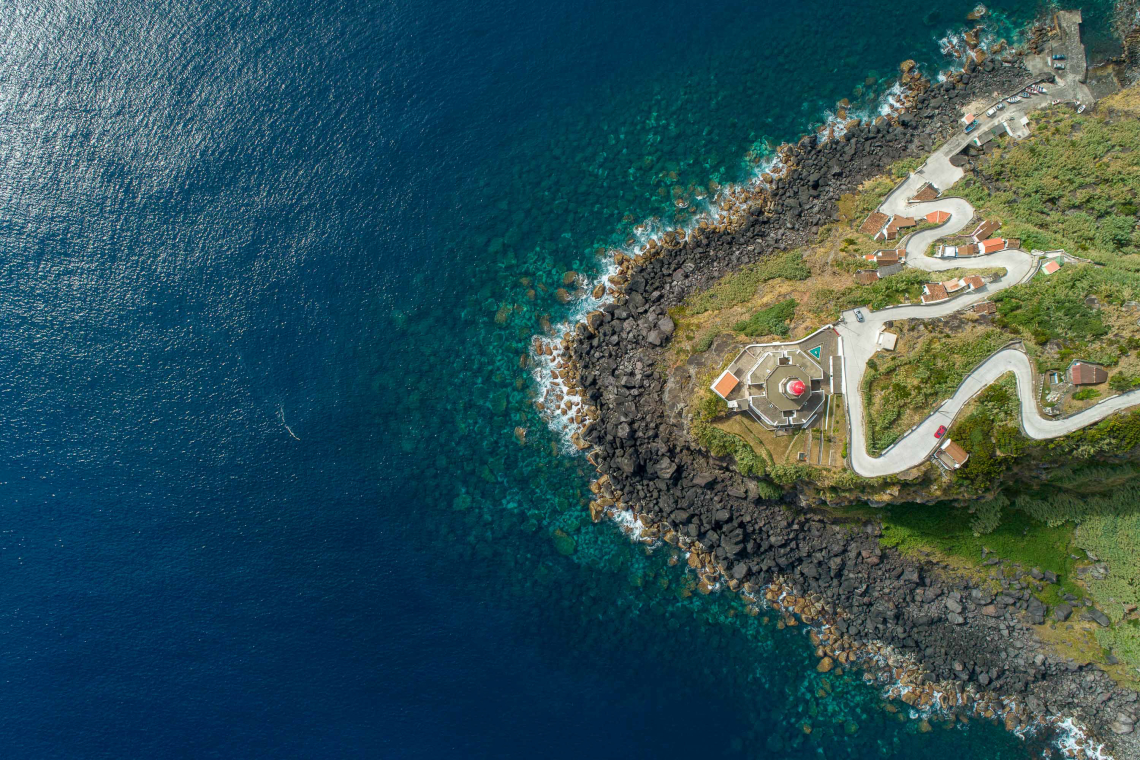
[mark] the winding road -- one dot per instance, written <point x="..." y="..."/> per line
<point x="859" y="339"/>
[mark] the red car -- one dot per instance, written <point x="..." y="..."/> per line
<point x="941" y="431"/>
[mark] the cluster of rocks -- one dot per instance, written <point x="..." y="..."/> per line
<point x="957" y="631"/>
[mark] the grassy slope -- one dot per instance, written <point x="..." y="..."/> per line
<point x="1073" y="185"/>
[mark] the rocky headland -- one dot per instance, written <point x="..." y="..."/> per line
<point x="947" y="642"/>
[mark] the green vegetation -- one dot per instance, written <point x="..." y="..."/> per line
<point x="770" y="321"/>
<point x="990" y="432"/>
<point x="898" y="387"/>
<point x="704" y="343"/>
<point x="1084" y="394"/>
<point x="722" y="444"/>
<point x="914" y="528"/>
<point x="710" y="407"/>
<point x="1123" y="381"/>
<point x="741" y="286"/>
<point x="1053" y="308"/>
<point x="1073" y="186"/>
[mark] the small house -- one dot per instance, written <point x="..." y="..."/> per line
<point x="867" y="276"/>
<point x="984" y="230"/>
<point x="874" y="223"/>
<point x="1050" y="267"/>
<point x="887" y="256"/>
<point x="925" y="193"/>
<point x="933" y="292"/>
<point x="985" y="307"/>
<point x="887" y="340"/>
<point x="950" y="455"/>
<point x="1085" y="373"/>
<point x="992" y="245"/>
<point x="725" y="384"/>
<point x="937" y="217"/>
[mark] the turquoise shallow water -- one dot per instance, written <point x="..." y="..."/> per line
<point x="271" y="269"/>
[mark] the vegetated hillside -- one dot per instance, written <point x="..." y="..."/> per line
<point x="1074" y="186"/>
<point x="1070" y="506"/>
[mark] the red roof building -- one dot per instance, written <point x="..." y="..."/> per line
<point x="937" y="217"/>
<point x="925" y="193"/>
<point x="984" y="230"/>
<point x="1083" y="373"/>
<point x="725" y="384"/>
<point x="992" y="245"/>
<point x="874" y="223"/>
<point x="932" y="292"/>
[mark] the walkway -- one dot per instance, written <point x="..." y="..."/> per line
<point x="859" y="338"/>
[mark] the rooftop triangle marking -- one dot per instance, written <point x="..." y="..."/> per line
<point x="815" y="351"/>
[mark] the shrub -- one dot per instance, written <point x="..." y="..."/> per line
<point x="710" y="407"/>
<point x="704" y="343"/>
<point x="786" y="474"/>
<point x="770" y="321"/>
<point x="721" y="444"/>
<point x="1084" y="394"/>
<point x="987" y="515"/>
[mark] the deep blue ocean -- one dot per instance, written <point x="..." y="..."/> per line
<point x="268" y="274"/>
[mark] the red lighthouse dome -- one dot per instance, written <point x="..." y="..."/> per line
<point x="796" y="388"/>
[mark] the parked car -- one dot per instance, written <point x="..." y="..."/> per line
<point x="1059" y="66"/>
<point x="1001" y="106"/>
<point x="1059" y="57"/>
<point x="858" y="315"/>
<point x="992" y="111"/>
<point x="941" y="431"/>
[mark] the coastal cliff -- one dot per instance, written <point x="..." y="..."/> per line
<point x="943" y="633"/>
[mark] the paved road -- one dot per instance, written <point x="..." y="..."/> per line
<point x="859" y="339"/>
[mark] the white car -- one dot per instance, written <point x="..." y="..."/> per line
<point x="1001" y="106"/>
<point x="992" y="111"/>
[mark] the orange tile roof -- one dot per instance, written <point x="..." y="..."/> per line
<point x="937" y="217"/>
<point x="726" y="384"/>
<point x="1051" y="267"/>
<point x="992" y="245"/>
<point x="974" y="281"/>
<point x="904" y="221"/>
<point x="969" y="249"/>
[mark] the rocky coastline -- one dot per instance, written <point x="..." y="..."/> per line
<point x="937" y="633"/>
